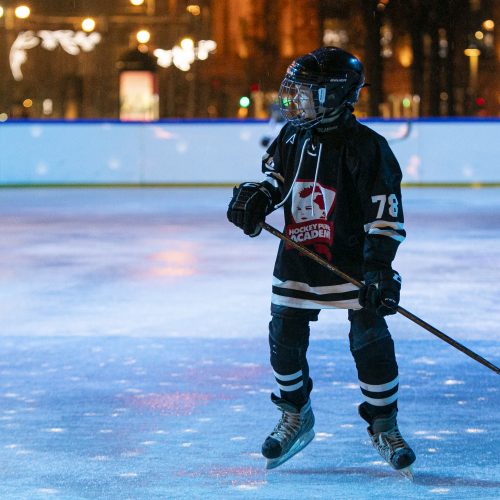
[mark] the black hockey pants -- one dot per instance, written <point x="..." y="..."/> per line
<point x="370" y="343"/>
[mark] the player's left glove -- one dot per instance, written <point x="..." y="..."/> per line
<point x="381" y="291"/>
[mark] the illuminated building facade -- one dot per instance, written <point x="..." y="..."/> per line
<point x="149" y="59"/>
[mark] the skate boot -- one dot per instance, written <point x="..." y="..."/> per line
<point x="387" y="440"/>
<point x="293" y="432"/>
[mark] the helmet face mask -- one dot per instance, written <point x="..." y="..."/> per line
<point x="300" y="103"/>
<point x="319" y="85"/>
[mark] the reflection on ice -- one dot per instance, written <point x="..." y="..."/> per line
<point x="453" y="382"/>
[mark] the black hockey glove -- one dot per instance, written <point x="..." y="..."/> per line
<point x="250" y="204"/>
<point x="381" y="291"/>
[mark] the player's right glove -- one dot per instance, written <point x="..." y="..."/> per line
<point x="250" y="204"/>
<point x="381" y="291"/>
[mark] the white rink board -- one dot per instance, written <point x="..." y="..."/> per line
<point x="429" y="151"/>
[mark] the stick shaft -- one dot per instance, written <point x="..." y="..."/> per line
<point x="449" y="340"/>
<point x="401" y="310"/>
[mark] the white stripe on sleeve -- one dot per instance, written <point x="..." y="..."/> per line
<point x="383" y="223"/>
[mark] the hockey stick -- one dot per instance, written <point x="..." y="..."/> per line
<point x="400" y="310"/>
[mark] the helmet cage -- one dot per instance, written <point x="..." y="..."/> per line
<point x="305" y="101"/>
<point x="302" y="104"/>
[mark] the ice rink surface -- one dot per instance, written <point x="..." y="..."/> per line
<point x="134" y="358"/>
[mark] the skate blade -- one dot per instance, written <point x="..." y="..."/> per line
<point x="301" y="443"/>
<point x="407" y="473"/>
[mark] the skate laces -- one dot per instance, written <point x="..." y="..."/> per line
<point x="287" y="427"/>
<point x="391" y="440"/>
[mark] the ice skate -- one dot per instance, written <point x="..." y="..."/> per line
<point x="293" y="432"/>
<point x="387" y="440"/>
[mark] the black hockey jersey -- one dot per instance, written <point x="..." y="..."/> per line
<point x="341" y="194"/>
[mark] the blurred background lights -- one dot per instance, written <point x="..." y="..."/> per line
<point x="187" y="44"/>
<point x="194" y="9"/>
<point x="88" y="24"/>
<point x="480" y="101"/>
<point x="22" y="12"/>
<point x="405" y="56"/>
<point x="472" y="52"/>
<point x="3" y="117"/>
<point x="47" y="106"/>
<point x="181" y="38"/>
<point x="27" y="103"/>
<point x="244" y="101"/>
<point x="489" y="25"/>
<point x="143" y="36"/>
<point x="182" y="55"/>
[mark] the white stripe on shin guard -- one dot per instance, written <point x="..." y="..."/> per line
<point x="289" y="378"/>
<point x="290" y="388"/>
<point x="381" y="402"/>
<point x="380" y="394"/>
<point x="381" y="387"/>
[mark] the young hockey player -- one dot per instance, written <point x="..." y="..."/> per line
<point x="339" y="184"/>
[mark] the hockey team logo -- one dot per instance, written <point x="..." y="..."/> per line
<point x="312" y="205"/>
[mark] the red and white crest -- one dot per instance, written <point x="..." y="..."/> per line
<point x="312" y="205"/>
<point x="307" y="205"/>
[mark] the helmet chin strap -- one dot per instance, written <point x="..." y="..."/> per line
<point x="332" y="116"/>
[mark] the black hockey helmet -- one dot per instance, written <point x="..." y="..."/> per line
<point x="317" y="85"/>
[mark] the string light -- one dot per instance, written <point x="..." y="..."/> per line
<point x="70" y="41"/>
<point x="187" y="44"/>
<point x="181" y="57"/>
